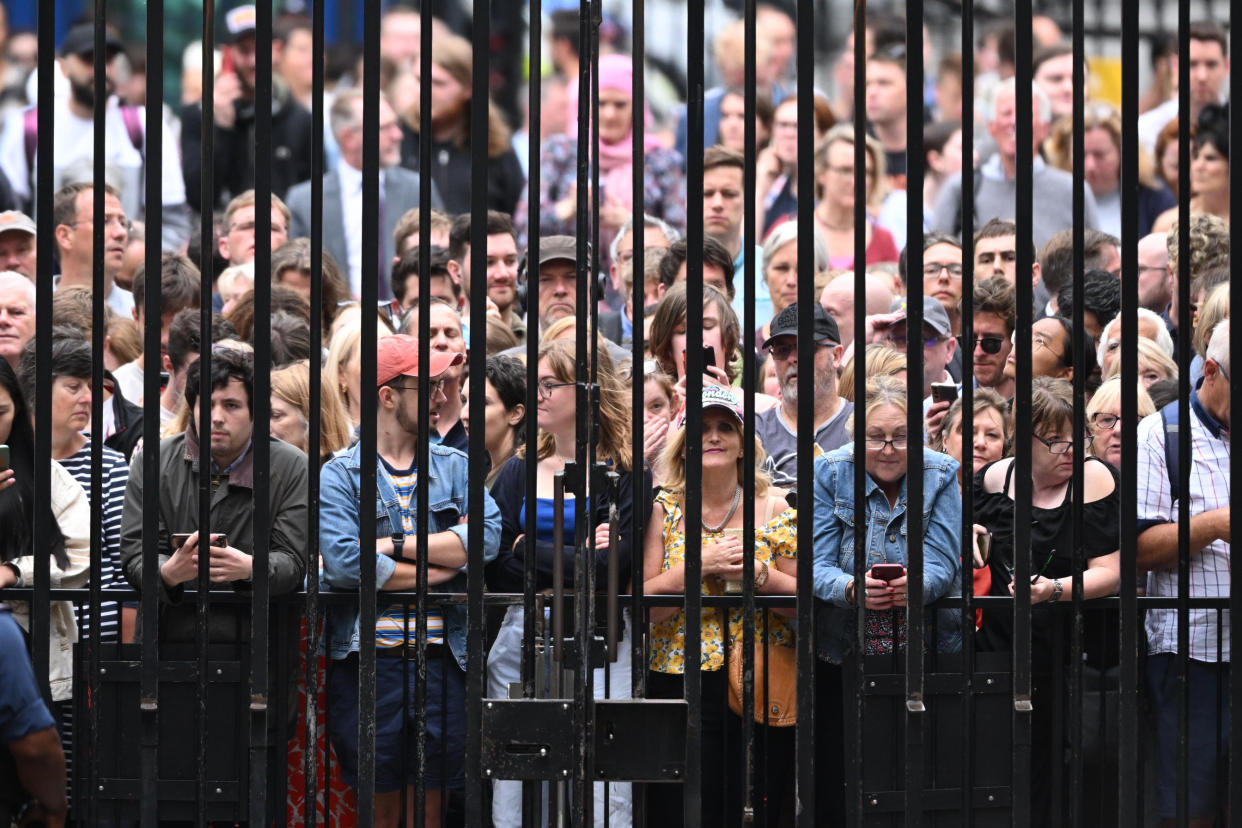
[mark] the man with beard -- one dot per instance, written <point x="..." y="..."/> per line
<point x="73" y="141"/>
<point x="234" y="109"/>
<point x="777" y="428"/>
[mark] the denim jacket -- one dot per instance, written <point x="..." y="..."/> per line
<point x="886" y="543"/>
<point x="339" y="520"/>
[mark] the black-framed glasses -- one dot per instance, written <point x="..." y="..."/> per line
<point x="782" y="350"/>
<point x="1104" y="422"/>
<point x="547" y="386"/>
<point x="900" y="443"/>
<point x="932" y="269"/>
<point x="990" y="344"/>
<point x="1061" y="446"/>
<point x="929" y="341"/>
<point x="436" y="387"/>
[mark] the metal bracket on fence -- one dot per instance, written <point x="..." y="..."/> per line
<point x="914" y="704"/>
<point x="528" y="739"/>
<point x="1022" y="704"/>
<point x="640" y="740"/>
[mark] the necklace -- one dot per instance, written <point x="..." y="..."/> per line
<point x="737" y="499"/>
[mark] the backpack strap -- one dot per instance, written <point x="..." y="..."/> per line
<point x="1172" y="449"/>
<point x="30" y="129"/>
<point x="133" y="127"/>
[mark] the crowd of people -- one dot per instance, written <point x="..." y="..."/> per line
<point x="496" y="345"/>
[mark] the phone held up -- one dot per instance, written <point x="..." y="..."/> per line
<point x="887" y="571"/>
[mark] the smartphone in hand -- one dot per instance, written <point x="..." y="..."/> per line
<point x="944" y="392"/>
<point x="887" y="571"/>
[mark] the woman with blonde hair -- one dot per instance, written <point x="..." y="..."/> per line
<point x="452" y="76"/>
<point x="1104" y="418"/>
<point x="342" y="369"/>
<point x="834" y="195"/>
<point x="721" y="558"/>
<point x="881" y="361"/>
<point x="558" y="385"/>
<point x="290" y="411"/>
<point x="1154" y="364"/>
<point x="1102" y="168"/>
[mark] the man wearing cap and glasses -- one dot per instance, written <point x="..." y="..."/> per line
<point x="939" y="347"/>
<point x="234" y="101"/>
<point x="777" y="428"/>
<point x="395" y="550"/>
<point x="17" y="243"/>
<point x="73" y="140"/>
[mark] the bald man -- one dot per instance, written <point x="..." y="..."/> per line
<point x="1155" y="283"/>
<point x="838" y="299"/>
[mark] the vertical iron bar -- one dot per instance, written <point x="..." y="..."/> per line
<point x="854" y="768"/>
<point x="1129" y="764"/>
<point x="154" y="214"/>
<point x="916" y="716"/>
<point x="968" y="418"/>
<point x="1078" y="431"/>
<point x="749" y="369"/>
<point x="261" y="397"/>
<point x="40" y="609"/>
<point x="694" y="427"/>
<point x="1022" y="426"/>
<point x="475" y="611"/>
<point x="1235" y="466"/>
<point x="203" y="424"/>
<point x="1184" y="332"/>
<point x="88" y="729"/>
<point x="367" y="412"/>
<point x="804" y="736"/>
<point x="314" y="434"/>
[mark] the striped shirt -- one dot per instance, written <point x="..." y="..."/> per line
<point x="1208" y="489"/>
<point x="392" y="623"/>
<point x="115" y="476"/>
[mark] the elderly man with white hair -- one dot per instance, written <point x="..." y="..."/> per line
<point x="995" y="180"/>
<point x="1150" y="326"/>
<point x="1206" y="487"/>
<point x="17" y="315"/>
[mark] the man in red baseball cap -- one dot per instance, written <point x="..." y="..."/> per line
<point x="398" y="369"/>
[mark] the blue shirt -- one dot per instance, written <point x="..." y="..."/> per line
<point x="885" y="543"/>
<point x="764" y="310"/>
<point x="22" y="710"/>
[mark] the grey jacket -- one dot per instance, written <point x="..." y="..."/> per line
<point x="401" y="193"/>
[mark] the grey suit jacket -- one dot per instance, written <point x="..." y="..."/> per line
<point x="401" y="187"/>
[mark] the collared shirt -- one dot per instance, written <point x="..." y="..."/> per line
<point x="351" y="204"/>
<point x="1208" y="488"/>
<point x="764" y="310"/>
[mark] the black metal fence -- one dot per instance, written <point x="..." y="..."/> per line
<point x="199" y="733"/>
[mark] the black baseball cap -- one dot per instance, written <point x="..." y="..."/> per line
<point x="824" y="326"/>
<point x="80" y="40"/>
<point x="239" y="23"/>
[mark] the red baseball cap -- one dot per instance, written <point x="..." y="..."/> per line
<point x="397" y="356"/>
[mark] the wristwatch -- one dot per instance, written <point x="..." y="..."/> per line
<point x="1056" y="590"/>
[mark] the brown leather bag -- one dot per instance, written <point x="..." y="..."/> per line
<point x="779" y="671"/>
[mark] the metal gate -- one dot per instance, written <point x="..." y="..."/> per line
<point x="198" y="731"/>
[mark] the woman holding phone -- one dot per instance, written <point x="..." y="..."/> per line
<point x="885" y="583"/>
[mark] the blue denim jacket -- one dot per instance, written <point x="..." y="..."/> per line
<point x="339" y="519"/>
<point x="886" y="543"/>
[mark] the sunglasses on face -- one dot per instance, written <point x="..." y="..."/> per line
<point x="990" y="344"/>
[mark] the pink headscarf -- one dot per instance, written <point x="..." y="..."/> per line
<point x="616" y="160"/>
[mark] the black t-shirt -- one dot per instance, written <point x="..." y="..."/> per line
<point x="1051" y="554"/>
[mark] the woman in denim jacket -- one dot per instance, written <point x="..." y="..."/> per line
<point x="885" y="511"/>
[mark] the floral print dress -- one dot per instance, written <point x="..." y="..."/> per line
<point x="775" y="539"/>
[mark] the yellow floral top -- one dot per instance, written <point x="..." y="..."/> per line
<point x="668" y="637"/>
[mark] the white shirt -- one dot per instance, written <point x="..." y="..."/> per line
<point x="1209" y="567"/>
<point x="130" y="379"/>
<point x="73" y="143"/>
<point x="351" y="205"/>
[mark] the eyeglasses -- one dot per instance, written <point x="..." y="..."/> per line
<point x="990" y="344"/>
<point x="878" y="444"/>
<point x="932" y="269"/>
<point x="782" y="350"/>
<point x="1223" y="372"/>
<point x="1105" y="422"/>
<point x="1061" y="446"/>
<point x="436" y="387"/>
<point x="546" y="387"/>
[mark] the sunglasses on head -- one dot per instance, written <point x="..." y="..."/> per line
<point x="991" y="344"/>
